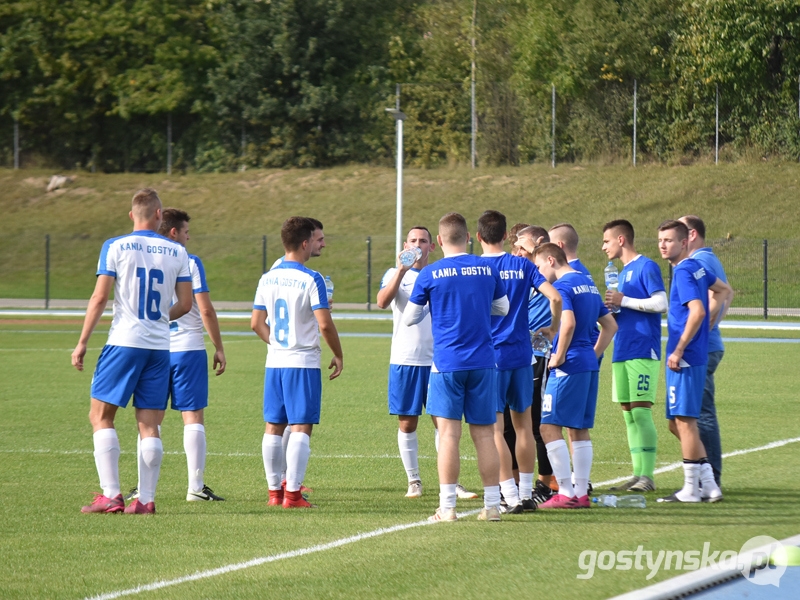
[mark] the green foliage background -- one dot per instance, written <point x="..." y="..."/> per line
<point x="276" y="83"/>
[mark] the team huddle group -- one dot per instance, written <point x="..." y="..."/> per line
<point x="511" y="344"/>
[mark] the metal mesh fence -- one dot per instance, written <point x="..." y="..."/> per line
<point x="763" y="273"/>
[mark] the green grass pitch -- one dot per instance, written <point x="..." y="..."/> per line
<point x="51" y="550"/>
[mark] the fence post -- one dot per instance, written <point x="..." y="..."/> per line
<point x="471" y="243"/>
<point x="716" y="127"/>
<point x="553" y="134"/>
<point x="169" y="143"/>
<point x="47" y="271"/>
<point x="263" y="254"/>
<point x="634" y="120"/>
<point x="369" y="272"/>
<point x="16" y="143"/>
<point x="766" y="296"/>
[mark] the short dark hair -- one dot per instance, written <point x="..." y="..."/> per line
<point x="172" y="218"/>
<point x="554" y="250"/>
<point x="317" y="224"/>
<point x="492" y="226"/>
<point x="145" y="203"/>
<point x="569" y="236"/>
<point x="683" y="231"/>
<point x="295" y="231"/>
<point x="696" y="223"/>
<point x="624" y="226"/>
<point x="534" y="232"/>
<point x="430" y="237"/>
<point x="453" y="228"/>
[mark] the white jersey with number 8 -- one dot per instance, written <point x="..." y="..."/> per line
<point x="290" y="293"/>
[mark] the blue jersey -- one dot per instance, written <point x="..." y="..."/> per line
<point x="639" y="334"/>
<point x="582" y="297"/>
<point x="460" y="290"/>
<point x="581" y="268"/>
<point x="690" y="281"/>
<point x="710" y="262"/>
<point x="512" y="340"/>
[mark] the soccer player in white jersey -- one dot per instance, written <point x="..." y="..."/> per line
<point x="294" y="299"/>
<point x="144" y="269"/>
<point x="461" y="292"/>
<point x="410" y="360"/>
<point x="189" y="360"/>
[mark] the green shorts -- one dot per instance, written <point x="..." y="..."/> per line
<point x="635" y="380"/>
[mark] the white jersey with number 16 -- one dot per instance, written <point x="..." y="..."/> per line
<point x="290" y="293"/>
<point x="145" y="267"/>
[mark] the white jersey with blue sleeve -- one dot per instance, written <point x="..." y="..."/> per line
<point x="290" y="293"/>
<point x="412" y="345"/>
<point x="186" y="333"/>
<point x="145" y="267"/>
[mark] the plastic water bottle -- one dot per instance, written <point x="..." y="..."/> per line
<point x="410" y="256"/>
<point x="611" y="501"/>
<point x="612" y="280"/>
<point x="329" y="287"/>
<point x="540" y="343"/>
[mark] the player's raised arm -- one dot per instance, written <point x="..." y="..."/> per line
<point x="94" y="310"/>
<point x="388" y="292"/>
<point x="551" y="293"/>
<point x="331" y="337"/>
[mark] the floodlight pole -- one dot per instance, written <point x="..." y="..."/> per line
<point x="399" y="116"/>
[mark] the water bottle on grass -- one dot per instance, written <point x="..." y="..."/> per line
<point x="612" y="501"/>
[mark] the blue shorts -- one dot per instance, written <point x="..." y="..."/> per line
<point x="514" y="389"/>
<point x="188" y="380"/>
<point x="685" y="391"/>
<point x="122" y="371"/>
<point x="292" y="396"/>
<point x="408" y="389"/>
<point x="467" y="394"/>
<point x="570" y="400"/>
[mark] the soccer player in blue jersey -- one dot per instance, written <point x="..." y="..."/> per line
<point x="513" y="356"/>
<point x="527" y="240"/>
<point x="294" y="298"/>
<point x="461" y="292"/>
<point x="641" y="299"/>
<point x="690" y="311"/>
<point x="144" y="269"/>
<point x="707" y="423"/>
<point x="570" y="399"/>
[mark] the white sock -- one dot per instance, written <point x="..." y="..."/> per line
<point x="284" y="444"/>
<point x="510" y="491"/>
<point x="436" y="439"/>
<point x="152" y="454"/>
<point x="491" y="496"/>
<point x="274" y="459"/>
<point x="526" y="486"/>
<point x="409" y="453"/>
<point x="582" y="454"/>
<point x="691" y="482"/>
<point x="194" y="444"/>
<point x="707" y="478"/>
<point x="447" y="495"/>
<point x="558" y="453"/>
<point x="138" y="461"/>
<point x="106" y="459"/>
<point x="297" y="453"/>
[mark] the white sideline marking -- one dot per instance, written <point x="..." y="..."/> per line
<point x="361" y="536"/>
<point x="678" y="465"/>
<point x="267" y="559"/>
